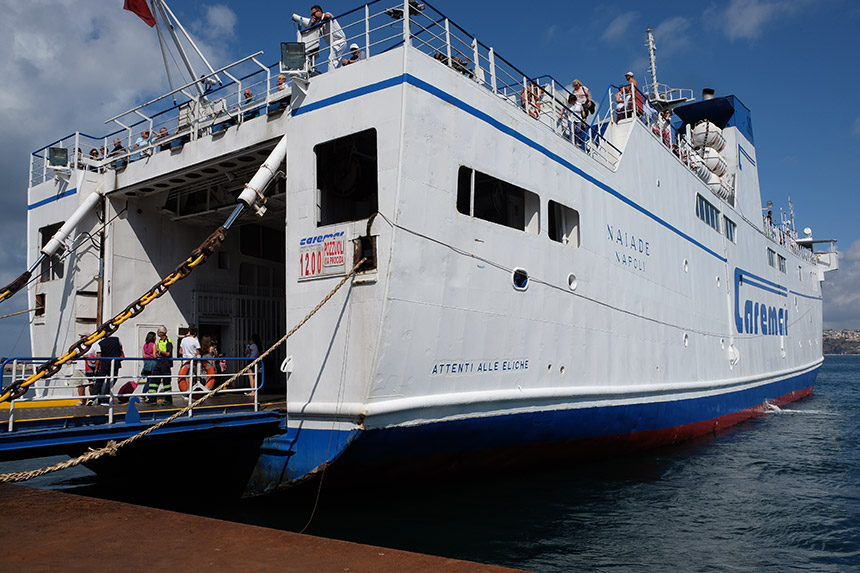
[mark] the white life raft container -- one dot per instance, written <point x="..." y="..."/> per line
<point x="706" y="134"/>
<point x="714" y="161"/>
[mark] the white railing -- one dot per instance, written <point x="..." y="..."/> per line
<point x="198" y="373"/>
<point x="184" y="115"/>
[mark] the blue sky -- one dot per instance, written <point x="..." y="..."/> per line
<point x="69" y="65"/>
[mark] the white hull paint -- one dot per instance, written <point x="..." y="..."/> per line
<point x="640" y="311"/>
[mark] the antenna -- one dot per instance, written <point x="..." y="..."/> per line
<point x="652" y="58"/>
<point x="791" y="212"/>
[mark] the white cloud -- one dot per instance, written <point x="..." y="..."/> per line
<point x="218" y="24"/>
<point x="672" y="35"/>
<point x="617" y="28"/>
<point x="67" y="66"/>
<point x="841" y="291"/>
<point x="747" y="19"/>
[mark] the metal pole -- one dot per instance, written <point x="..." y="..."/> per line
<point x="493" y="70"/>
<point x="366" y="31"/>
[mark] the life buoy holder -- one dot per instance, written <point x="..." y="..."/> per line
<point x="205" y="366"/>
<point x="530" y="96"/>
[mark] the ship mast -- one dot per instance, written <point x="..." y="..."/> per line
<point x="166" y="19"/>
<point x="652" y="59"/>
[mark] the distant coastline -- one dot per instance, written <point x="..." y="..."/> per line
<point x="841" y="342"/>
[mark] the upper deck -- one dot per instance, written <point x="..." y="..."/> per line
<point x="236" y="114"/>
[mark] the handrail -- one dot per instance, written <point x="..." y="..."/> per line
<point x="186" y="86"/>
<point x="117" y="381"/>
<point x="428" y="31"/>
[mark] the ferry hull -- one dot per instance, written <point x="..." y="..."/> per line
<point x="559" y="437"/>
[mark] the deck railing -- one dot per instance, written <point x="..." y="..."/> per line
<point x="204" y="105"/>
<point x="200" y="373"/>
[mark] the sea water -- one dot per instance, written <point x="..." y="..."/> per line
<point x="776" y="493"/>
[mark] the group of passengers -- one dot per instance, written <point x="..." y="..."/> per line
<point x="201" y="362"/>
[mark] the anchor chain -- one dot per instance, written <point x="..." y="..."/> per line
<point x="79" y="348"/>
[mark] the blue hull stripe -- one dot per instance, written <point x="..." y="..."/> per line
<point x="56" y="197"/>
<point x="532" y="428"/>
<point x="444" y="96"/>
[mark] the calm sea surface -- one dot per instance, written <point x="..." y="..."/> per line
<point x="778" y="493"/>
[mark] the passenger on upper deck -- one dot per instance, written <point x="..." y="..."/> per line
<point x="580" y="102"/>
<point x="333" y="34"/>
<point x="624" y="97"/>
<point x="118" y="149"/>
<point x="356" y="55"/>
<point x="249" y="99"/>
<point x="143" y="140"/>
<point x="282" y="82"/>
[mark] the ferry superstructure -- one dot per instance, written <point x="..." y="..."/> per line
<point x="529" y="290"/>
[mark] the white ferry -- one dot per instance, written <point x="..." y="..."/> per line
<point x="537" y="285"/>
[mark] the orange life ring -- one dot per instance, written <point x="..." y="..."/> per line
<point x="210" y="378"/>
<point x="530" y="98"/>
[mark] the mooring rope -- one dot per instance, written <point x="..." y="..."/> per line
<point x="112" y="447"/>
<point x="17" y="313"/>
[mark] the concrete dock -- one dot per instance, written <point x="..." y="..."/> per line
<point x="55" y="531"/>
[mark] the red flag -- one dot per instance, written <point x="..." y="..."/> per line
<point x="140" y="8"/>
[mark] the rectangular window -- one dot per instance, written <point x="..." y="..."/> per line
<point x="771" y="257"/>
<point x="731" y="229"/>
<point x="485" y="197"/>
<point x="347" y="178"/>
<point x="52" y="267"/>
<point x="708" y="213"/>
<point x="563" y="224"/>
<point x="781" y="261"/>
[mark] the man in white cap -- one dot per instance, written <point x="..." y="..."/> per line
<point x="624" y="97"/>
<point x="355" y="55"/>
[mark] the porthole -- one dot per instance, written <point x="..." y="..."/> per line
<point x="549" y="367"/>
<point x="686" y="340"/>
<point x="686" y="266"/>
<point x="561" y="370"/>
<point x="520" y="279"/>
<point x="571" y="281"/>
<point x="177" y="180"/>
<point x="718" y="282"/>
<point x="722" y="344"/>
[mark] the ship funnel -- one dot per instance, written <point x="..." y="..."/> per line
<point x="707" y="93"/>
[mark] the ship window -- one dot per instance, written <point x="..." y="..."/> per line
<point x="731" y="229"/>
<point x="485" y="197"/>
<point x="52" y="267"/>
<point x="781" y="260"/>
<point x="707" y="213"/>
<point x="40" y="305"/>
<point x="771" y="257"/>
<point x="563" y="224"/>
<point x="347" y="179"/>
